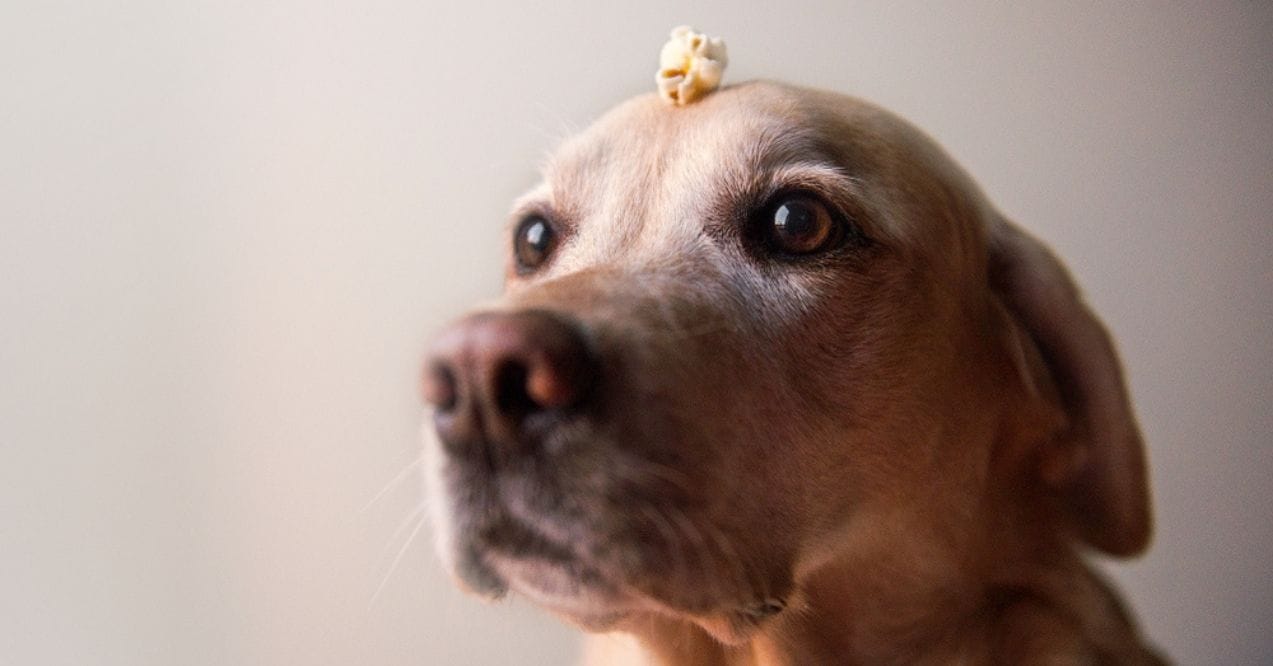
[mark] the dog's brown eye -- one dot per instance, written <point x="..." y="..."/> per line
<point x="801" y="225"/>
<point x="533" y="242"/>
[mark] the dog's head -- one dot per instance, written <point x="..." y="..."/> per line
<point x="754" y="337"/>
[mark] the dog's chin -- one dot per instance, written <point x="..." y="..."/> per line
<point x="604" y="596"/>
<point x="586" y="598"/>
<point x="550" y="576"/>
<point x="570" y="589"/>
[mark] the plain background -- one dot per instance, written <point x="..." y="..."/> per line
<point x="227" y="229"/>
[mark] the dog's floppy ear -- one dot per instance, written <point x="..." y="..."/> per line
<point x="1097" y="466"/>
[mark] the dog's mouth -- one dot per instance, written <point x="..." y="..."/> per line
<point x="600" y="564"/>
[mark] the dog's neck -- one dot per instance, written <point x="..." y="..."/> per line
<point x="844" y="617"/>
<point x="899" y="602"/>
<point x="838" y="618"/>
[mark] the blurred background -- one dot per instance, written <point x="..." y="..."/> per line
<point x="227" y="230"/>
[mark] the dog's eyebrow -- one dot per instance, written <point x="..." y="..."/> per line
<point x="821" y="176"/>
<point x="538" y="201"/>
<point x="776" y="143"/>
<point x="789" y="157"/>
<point x="751" y="189"/>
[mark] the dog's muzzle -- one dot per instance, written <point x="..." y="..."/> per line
<point x="567" y="474"/>
<point x="504" y="385"/>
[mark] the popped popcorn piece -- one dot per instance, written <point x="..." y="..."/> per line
<point x="690" y="65"/>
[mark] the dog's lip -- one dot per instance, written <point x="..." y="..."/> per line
<point x="553" y="572"/>
<point x="512" y="538"/>
<point x="598" y="595"/>
<point x="564" y="585"/>
<point x="583" y="565"/>
<point x="589" y="598"/>
<point x="550" y="574"/>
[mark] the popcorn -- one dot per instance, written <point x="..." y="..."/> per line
<point x="690" y="65"/>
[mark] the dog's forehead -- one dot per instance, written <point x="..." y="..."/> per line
<point x="645" y="172"/>
<point x="645" y="136"/>
<point x="644" y="178"/>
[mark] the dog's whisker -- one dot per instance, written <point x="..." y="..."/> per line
<point x="419" y="524"/>
<point x="729" y="554"/>
<point x="394" y="482"/>
<point x="638" y="475"/>
<point x="668" y="532"/>
<point x="640" y="472"/>
<point x="695" y="537"/>
<point x="418" y="513"/>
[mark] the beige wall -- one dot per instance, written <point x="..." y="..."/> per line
<point x="226" y="229"/>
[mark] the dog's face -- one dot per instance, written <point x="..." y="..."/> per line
<point x="741" y="340"/>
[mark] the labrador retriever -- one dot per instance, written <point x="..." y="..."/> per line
<point x="773" y="383"/>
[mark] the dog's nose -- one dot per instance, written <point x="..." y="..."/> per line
<point x="491" y="377"/>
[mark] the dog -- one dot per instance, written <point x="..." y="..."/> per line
<point x="772" y="382"/>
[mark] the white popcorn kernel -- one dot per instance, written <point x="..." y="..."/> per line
<point x="691" y="65"/>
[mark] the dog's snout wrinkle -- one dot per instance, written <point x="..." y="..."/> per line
<point x="492" y="375"/>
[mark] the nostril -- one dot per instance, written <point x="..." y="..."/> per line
<point x="439" y="386"/>
<point x="510" y="383"/>
<point x="557" y="383"/>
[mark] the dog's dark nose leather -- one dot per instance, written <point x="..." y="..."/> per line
<point x="497" y="379"/>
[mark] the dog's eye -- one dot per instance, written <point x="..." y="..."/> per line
<point x="800" y="224"/>
<point x="533" y="242"/>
